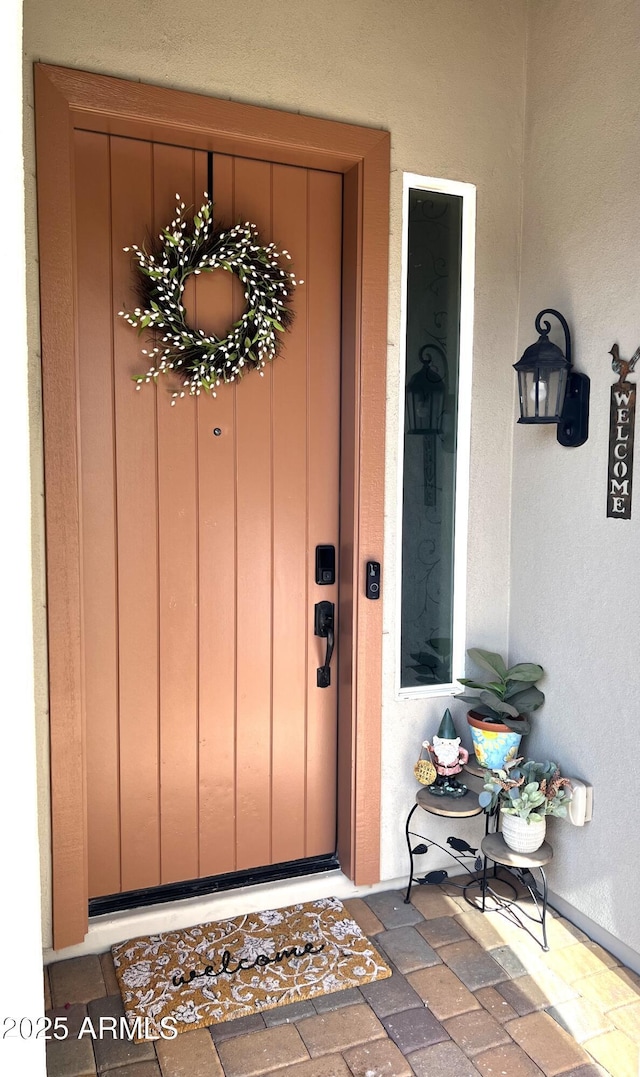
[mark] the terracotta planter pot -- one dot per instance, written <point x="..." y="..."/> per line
<point x="491" y="740"/>
<point x="521" y="836"/>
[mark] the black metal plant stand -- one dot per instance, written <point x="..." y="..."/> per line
<point x="450" y="808"/>
<point x="522" y="865"/>
<point x="492" y="848"/>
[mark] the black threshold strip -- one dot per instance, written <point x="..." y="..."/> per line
<point x="213" y="884"/>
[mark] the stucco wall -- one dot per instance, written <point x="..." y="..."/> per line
<point x="447" y="79"/>
<point x="575" y="597"/>
<point x="21" y="992"/>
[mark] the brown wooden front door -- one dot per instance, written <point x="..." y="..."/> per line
<point x="209" y="747"/>
<point x="163" y="466"/>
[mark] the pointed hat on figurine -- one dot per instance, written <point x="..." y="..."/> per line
<point x="447" y="730"/>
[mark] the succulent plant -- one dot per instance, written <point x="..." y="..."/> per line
<point x="525" y="788"/>
<point x="510" y="696"/>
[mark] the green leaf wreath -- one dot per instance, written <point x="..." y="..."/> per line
<point x="205" y="361"/>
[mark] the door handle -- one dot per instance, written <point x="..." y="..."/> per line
<point x="324" y="627"/>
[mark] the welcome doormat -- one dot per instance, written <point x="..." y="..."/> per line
<point x="202" y="975"/>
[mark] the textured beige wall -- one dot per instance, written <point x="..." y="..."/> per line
<point x="447" y="79"/>
<point x="575" y="597"/>
<point x="20" y="943"/>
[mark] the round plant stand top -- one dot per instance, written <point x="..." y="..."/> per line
<point x="456" y="807"/>
<point x="496" y="849"/>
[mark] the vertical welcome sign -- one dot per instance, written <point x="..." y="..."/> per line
<point x="621" y="430"/>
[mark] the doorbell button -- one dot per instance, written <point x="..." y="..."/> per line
<point x="373" y="579"/>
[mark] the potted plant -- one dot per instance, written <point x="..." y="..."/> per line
<point x="498" y="719"/>
<point x="525" y="793"/>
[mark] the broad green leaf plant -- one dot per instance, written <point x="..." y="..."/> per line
<point x="509" y="696"/>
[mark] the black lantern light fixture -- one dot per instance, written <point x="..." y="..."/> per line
<point x="550" y="390"/>
<point x="425" y="402"/>
<point x="426" y="393"/>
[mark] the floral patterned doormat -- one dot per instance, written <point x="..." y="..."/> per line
<point x="215" y="972"/>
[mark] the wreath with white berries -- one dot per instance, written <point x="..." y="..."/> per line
<point x="204" y="361"/>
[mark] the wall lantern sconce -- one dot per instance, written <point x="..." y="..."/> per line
<point x="426" y="393"/>
<point x="550" y="390"/>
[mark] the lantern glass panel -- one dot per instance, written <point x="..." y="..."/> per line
<point x="557" y="389"/>
<point x="541" y="394"/>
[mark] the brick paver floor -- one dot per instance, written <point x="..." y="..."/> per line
<point x="470" y="994"/>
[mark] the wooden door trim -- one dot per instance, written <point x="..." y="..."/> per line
<point x="67" y="100"/>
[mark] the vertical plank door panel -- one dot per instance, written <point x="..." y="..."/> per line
<point x="324" y="301"/>
<point x="132" y="218"/>
<point x="227" y="745"/>
<point x="97" y="486"/>
<point x="292" y="557"/>
<point x="252" y="195"/>
<point x="173" y="170"/>
<point x="213" y="299"/>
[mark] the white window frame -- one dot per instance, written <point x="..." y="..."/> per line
<point x="466" y="191"/>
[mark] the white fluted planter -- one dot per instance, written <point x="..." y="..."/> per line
<point x="521" y="836"/>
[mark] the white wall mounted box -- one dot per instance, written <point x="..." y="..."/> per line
<point x="581" y="804"/>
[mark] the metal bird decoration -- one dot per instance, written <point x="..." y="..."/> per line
<point x="434" y="878"/>
<point x="461" y="846"/>
<point x="623" y="367"/>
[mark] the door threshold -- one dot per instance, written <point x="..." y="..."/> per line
<point x="110" y="928"/>
<point x="212" y="884"/>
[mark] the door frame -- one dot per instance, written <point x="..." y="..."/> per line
<point x="66" y="100"/>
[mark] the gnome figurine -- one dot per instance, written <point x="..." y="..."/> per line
<point x="450" y="758"/>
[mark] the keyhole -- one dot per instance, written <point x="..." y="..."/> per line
<point x="217" y="431"/>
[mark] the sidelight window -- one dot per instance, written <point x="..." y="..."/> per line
<point x="436" y="335"/>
